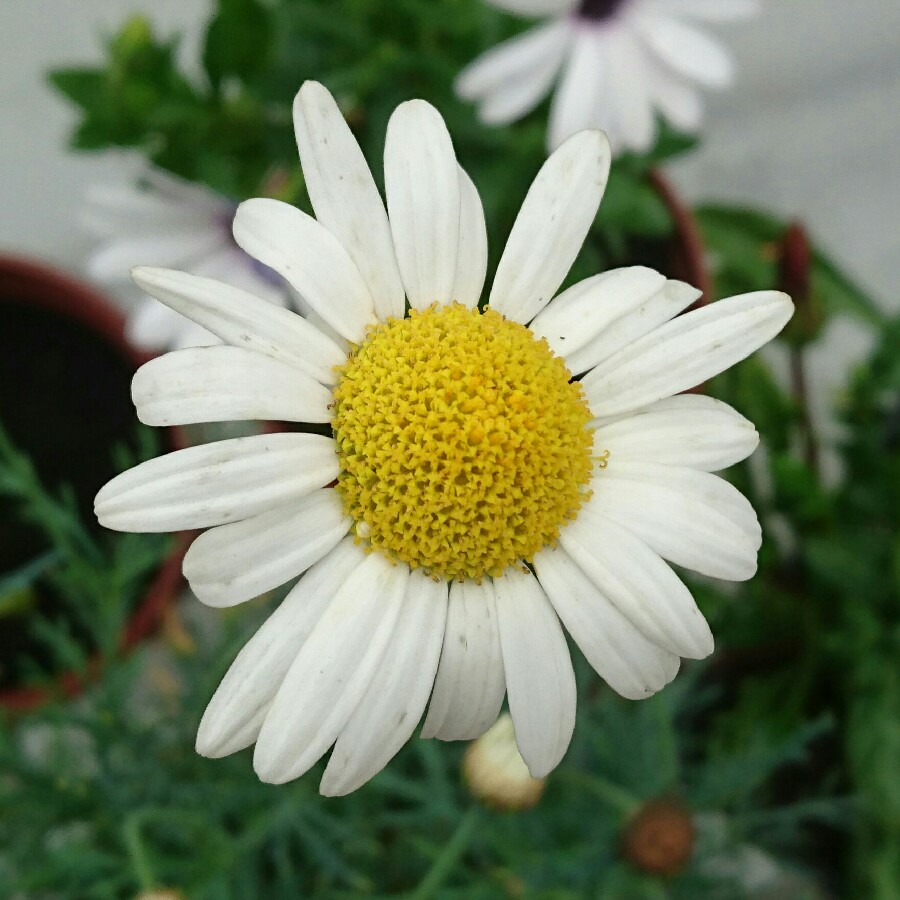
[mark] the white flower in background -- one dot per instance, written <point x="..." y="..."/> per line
<point x="463" y="450"/>
<point x="618" y="62"/>
<point x="166" y="221"/>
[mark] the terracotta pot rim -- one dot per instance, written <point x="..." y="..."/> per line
<point x="39" y="285"/>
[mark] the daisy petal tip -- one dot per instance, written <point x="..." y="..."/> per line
<point x="682" y="293"/>
<point x="208" y="743"/>
<point x="540" y="767"/>
<point x="748" y="573"/>
<point x="787" y="302"/>
<point x="311" y="88"/>
<point x="105" y="513"/>
<point x="781" y="305"/>
<point x="779" y="309"/>
<point x="211" y="596"/>
<point x="208" y="594"/>
<point x="268" y="768"/>
<point x="311" y="94"/>
<point x="333" y="785"/>
<point x="590" y="141"/>
<point x="417" y="117"/>
<point x="417" y="106"/>
<point x="702" y="645"/>
<point x="141" y="274"/>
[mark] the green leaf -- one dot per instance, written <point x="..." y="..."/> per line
<point x="238" y="41"/>
<point x="84" y="87"/>
<point x="631" y="204"/>
<point x="840" y="293"/>
<point x="743" y="244"/>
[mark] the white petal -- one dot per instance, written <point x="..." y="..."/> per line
<point x="469" y="687"/>
<point x="581" y="315"/>
<point x="688" y="50"/>
<point x="183" y="193"/>
<point x="421" y="178"/>
<point x="631" y="664"/>
<point x="631" y="107"/>
<point x="639" y="583"/>
<point x="225" y="384"/>
<point x="677" y="100"/>
<point x="310" y="258"/>
<point x="693" y="519"/>
<point x="396" y="697"/>
<point x="686" y="430"/>
<point x="190" y="336"/>
<point x="218" y="483"/>
<point x="551" y="226"/>
<point x="512" y="59"/>
<point x="332" y="672"/>
<point x="112" y="210"/>
<point x="152" y="326"/>
<point x="540" y="682"/>
<point x="512" y="78"/>
<point x="233" y="563"/>
<point x="516" y="98"/>
<point x="634" y="321"/>
<point x="241" y="319"/>
<point x="235" y="714"/>
<point x="115" y="259"/>
<point x="344" y="195"/>
<point x="472" y="256"/>
<point x="581" y="100"/>
<point x="536" y="7"/>
<point x="686" y="351"/>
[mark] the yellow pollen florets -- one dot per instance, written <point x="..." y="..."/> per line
<point x="463" y="444"/>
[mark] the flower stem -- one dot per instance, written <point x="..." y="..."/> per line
<point x="615" y="797"/>
<point x="131" y="833"/>
<point x="443" y="865"/>
<point x="801" y="395"/>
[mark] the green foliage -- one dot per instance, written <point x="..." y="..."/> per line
<point x="814" y="638"/>
<point x="818" y="629"/>
<point x="743" y="244"/>
<point x="117" y="802"/>
<point x="97" y="582"/>
<point x="234" y="132"/>
<point x="238" y="41"/>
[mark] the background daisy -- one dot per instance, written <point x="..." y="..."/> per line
<point x="617" y="63"/>
<point x="167" y="221"/>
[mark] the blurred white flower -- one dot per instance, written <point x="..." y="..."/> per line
<point x="171" y="222"/>
<point x="621" y="62"/>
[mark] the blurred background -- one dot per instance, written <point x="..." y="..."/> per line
<point x="809" y="130"/>
<point x="773" y="772"/>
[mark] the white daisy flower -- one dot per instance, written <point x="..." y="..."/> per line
<point x="166" y="221"/>
<point x="621" y="62"/>
<point x="475" y="498"/>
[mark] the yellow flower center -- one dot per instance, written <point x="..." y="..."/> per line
<point x="463" y="444"/>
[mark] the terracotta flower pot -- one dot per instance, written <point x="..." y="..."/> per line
<point x="57" y="381"/>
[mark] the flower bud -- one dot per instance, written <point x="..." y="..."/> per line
<point x="660" y="837"/>
<point x="495" y="772"/>
<point x="795" y="260"/>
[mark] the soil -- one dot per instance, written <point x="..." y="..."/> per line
<point x="65" y="402"/>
